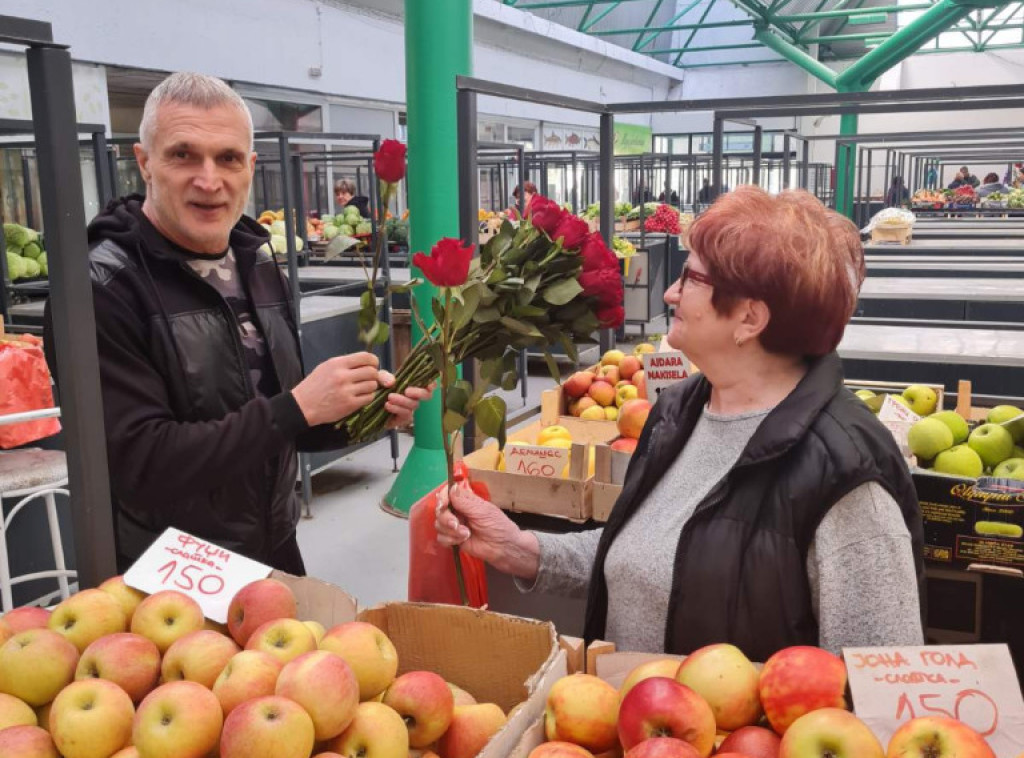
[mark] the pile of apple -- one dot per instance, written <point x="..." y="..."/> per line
<point x="668" y="709"/>
<point x="614" y="390"/>
<point x="114" y="673"/>
<point x="943" y="442"/>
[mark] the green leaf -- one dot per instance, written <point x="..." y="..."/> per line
<point x="532" y="283"/>
<point x="339" y="245"/>
<point x="509" y="380"/>
<point x="465" y="311"/>
<point x="490" y="417"/>
<point x="529" y="311"/>
<point x="552" y="366"/>
<point x="452" y="422"/>
<point x="458" y="398"/>
<point x="437" y="307"/>
<point x="383" y="331"/>
<point x="520" y="327"/>
<point x="438" y="355"/>
<point x="451" y="372"/>
<point x="486" y="315"/>
<point x="404" y="289"/>
<point x="496" y="276"/>
<point x="570" y="347"/>
<point x="562" y="292"/>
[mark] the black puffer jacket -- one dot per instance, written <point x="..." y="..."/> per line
<point x="740" y="569"/>
<point x="189" y="442"/>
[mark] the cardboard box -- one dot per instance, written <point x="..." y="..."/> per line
<point x="565" y="498"/>
<point x="973" y="524"/>
<point x="501" y="659"/>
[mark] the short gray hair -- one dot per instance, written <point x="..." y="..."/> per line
<point x="188" y="88"/>
<point x="345" y="185"/>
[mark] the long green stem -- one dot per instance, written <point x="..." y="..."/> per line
<point x="446" y="340"/>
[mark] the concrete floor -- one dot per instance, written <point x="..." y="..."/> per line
<point x="352" y="543"/>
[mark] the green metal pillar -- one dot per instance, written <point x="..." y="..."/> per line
<point x="435" y="53"/>
<point x="846" y="168"/>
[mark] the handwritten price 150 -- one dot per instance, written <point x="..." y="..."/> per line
<point x="190" y="577"/>
<point x="974" y="699"/>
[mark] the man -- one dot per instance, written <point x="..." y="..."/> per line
<point x="897" y="196"/>
<point x="204" y="398"/>
<point x="964" y="177"/>
<point x="345" y="195"/>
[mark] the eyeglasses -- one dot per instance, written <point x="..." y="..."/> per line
<point x="697" y="276"/>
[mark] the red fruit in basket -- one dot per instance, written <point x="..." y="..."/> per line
<point x="752" y="741"/>
<point x="578" y="384"/>
<point x="560" y="750"/>
<point x="257" y="603"/>
<point x="662" y="707"/>
<point x="798" y="680"/>
<point x="663" y="747"/>
<point x="937" y="737"/>
<point x="632" y="417"/>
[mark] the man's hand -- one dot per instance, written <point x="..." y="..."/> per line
<point x="401" y="407"/>
<point x="338" y="387"/>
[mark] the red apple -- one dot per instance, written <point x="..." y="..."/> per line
<point x="662" y="707"/>
<point x="325" y="686"/>
<point x="582" y="709"/>
<point x="471" y="728"/>
<point x="91" y="719"/>
<point x="559" y="750"/>
<point x="628" y="367"/>
<point x="640" y="380"/>
<point x="198" y="657"/>
<point x="798" y="680"/>
<point x="661" y="667"/>
<point x="632" y="417"/>
<point x="178" y="720"/>
<point x="602" y="392"/>
<point x="250" y="674"/>
<point x="831" y="733"/>
<point x="165" y="617"/>
<point x="625" y="445"/>
<point x="256" y="604"/>
<point x="426" y="704"/>
<point x="267" y="727"/>
<point x="37" y="664"/>
<point x="754" y="741"/>
<point x="610" y="374"/>
<point x="28" y="617"/>
<point x="727" y="680"/>
<point x="937" y="737"/>
<point x="663" y="747"/>
<point x="577" y="385"/>
<point x="128" y="660"/>
<point x="27" y="742"/>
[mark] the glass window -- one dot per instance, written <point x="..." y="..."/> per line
<point x="274" y="116"/>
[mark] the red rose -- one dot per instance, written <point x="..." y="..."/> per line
<point x="389" y="161"/>
<point x="545" y="214"/>
<point x="448" y="263"/>
<point x="596" y="254"/>
<point x="573" y="230"/>
<point x="611" y="317"/>
<point x="604" y="284"/>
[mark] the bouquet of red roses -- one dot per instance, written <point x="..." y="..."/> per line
<point x="549" y="282"/>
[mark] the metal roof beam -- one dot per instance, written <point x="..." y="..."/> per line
<point x="672" y="28"/>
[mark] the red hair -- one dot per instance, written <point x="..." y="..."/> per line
<point x="804" y="261"/>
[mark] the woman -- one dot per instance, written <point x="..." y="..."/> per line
<point x="991" y="184"/>
<point x="765" y="505"/>
<point x="345" y="195"/>
<point x="529" y="190"/>
<point x="898" y="195"/>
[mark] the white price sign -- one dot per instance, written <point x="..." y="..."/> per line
<point x="898" y="419"/>
<point x="662" y="370"/>
<point x="531" y="460"/>
<point x="207" y="573"/>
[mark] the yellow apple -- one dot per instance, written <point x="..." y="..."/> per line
<point x="377" y="731"/>
<point x="584" y="710"/>
<point x="15" y="712"/>
<point x="285" y="639"/>
<point x="666" y="667"/>
<point x="267" y="727"/>
<point x="461" y="697"/>
<point x="198" y="657"/>
<point x="833" y="732"/>
<point x="43" y="716"/>
<point x="129" y="752"/>
<point x="128" y="660"/>
<point x="251" y="673"/>
<point x="425" y="703"/>
<point x="91" y="719"/>
<point x="727" y="680"/>
<point x="317" y="629"/>
<point x="368" y="651"/>
<point x="36" y="665"/>
<point x="612" y="358"/>
<point x="27" y="742"/>
<point x="177" y="720"/>
<point x="128" y="597"/>
<point x="165" y="617"/>
<point x="937" y="736"/>
<point x="86" y="616"/>
<point x="472" y="727"/>
<point x="5" y="631"/>
<point x="625" y="393"/>
<point x="325" y="686"/>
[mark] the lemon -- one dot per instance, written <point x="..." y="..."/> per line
<point x="553" y="432"/>
<point x="558" y="442"/>
<point x="501" y="461"/>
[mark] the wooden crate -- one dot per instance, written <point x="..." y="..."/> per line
<point x="609" y="474"/>
<point x="553" y="411"/>
<point x="900" y="235"/>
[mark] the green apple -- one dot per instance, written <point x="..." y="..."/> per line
<point x="1002" y="413"/>
<point x="956" y="423"/>
<point x="929" y="437"/>
<point x="864" y="394"/>
<point x="1018" y="452"/>
<point x="1011" y="468"/>
<point x="921" y="400"/>
<point x="992" y="443"/>
<point x="959" y="460"/>
<point x="901" y="400"/>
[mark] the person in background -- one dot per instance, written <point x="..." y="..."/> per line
<point x="705" y="195"/>
<point x="992" y="184"/>
<point x="205" y="401"/>
<point x="345" y="195"/>
<point x="1014" y="176"/>
<point x="765" y="505"/>
<point x="964" y="177"/>
<point x="529" y="190"/>
<point x="898" y="195"/>
<point x="931" y="178"/>
<point x="673" y="198"/>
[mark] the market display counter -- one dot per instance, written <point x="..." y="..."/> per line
<point x="969" y="299"/>
<point x="968" y="236"/>
<point x="959" y="246"/>
<point x="947" y="266"/>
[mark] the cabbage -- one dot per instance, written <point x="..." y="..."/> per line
<point x="340" y="219"/>
<point x="32" y="250"/>
<point x="15" y="266"/>
<point x="16" y="235"/>
<point x="364" y="227"/>
<point x="277" y="229"/>
<point x="299" y="244"/>
<point x="346" y="230"/>
<point x="330" y="232"/>
<point x="31" y="267"/>
<point x="278" y="243"/>
<point x="352" y="211"/>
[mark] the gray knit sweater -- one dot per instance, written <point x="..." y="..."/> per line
<point x="860" y="565"/>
